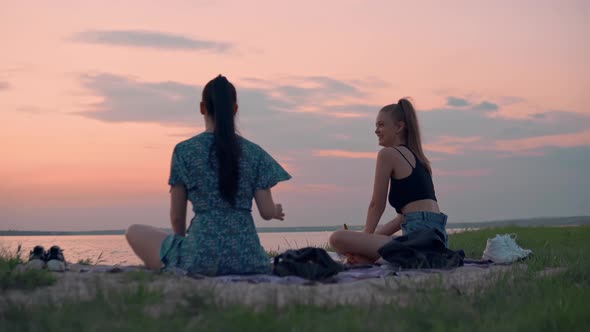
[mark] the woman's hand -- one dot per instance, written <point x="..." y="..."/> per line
<point x="266" y="206"/>
<point x="279" y="214"/>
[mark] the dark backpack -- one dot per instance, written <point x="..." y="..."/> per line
<point x="309" y="263"/>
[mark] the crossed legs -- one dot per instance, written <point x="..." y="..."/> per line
<point x="146" y="241"/>
<point x="359" y="247"/>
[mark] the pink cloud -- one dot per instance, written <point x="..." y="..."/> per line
<point x="451" y="144"/>
<point x="457" y="140"/>
<point x="448" y="149"/>
<point x="373" y="155"/>
<point x="531" y="143"/>
<point x="343" y="115"/>
<point x="344" y="154"/>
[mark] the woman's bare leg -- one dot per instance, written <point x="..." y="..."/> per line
<point x="146" y="241"/>
<point x="358" y="243"/>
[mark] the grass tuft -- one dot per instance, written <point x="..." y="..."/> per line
<point x="89" y="261"/>
<point x="14" y="276"/>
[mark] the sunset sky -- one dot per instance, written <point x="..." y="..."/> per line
<point x="95" y="95"/>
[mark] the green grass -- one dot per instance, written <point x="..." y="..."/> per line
<point x="89" y="261"/>
<point x="552" y="246"/>
<point x="12" y="278"/>
<point x="521" y="301"/>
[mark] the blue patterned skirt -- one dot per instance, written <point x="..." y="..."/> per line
<point x="218" y="242"/>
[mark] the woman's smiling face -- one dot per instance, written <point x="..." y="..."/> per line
<point x="385" y="129"/>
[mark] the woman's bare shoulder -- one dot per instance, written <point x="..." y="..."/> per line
<point x="387" y="153"/>
<point x="394" y="156"/>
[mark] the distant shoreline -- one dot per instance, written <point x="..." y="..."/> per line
<point x="545" y="221"/>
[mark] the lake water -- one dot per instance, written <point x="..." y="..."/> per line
<point x="115" y="250"/>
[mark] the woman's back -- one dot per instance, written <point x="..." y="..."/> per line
<point x="222" y="238"/>
<point x="220" y="173"/>
<point x="194" y="164"/>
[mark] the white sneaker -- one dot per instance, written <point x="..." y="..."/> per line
<point x="503" y="249"/>
<point x="55" y="260"/>
<point x="512" y="243"/>
<point x="36" y="259"/>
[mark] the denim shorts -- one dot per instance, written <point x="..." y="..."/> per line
<point x="416" y="221"/>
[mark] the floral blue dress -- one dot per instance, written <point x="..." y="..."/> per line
<point x="221" y="239"/>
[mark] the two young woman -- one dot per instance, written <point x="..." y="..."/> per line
<point x="221" y="173"/>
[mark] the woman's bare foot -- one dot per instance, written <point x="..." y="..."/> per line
<point x="352" y="259"/>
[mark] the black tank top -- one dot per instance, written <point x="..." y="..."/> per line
<point x="416" y="186"/>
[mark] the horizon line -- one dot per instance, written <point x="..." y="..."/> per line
<point x="278" y="229"/>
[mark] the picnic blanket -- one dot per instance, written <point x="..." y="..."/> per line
<point x="351" y="274"/>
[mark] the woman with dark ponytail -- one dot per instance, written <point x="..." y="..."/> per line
<point x="220" y="173"/>
<point x="404" y="169"/>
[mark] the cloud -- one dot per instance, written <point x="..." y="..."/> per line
<point x="149" y="39"/>
<point x="126" y="100"/>
<point x="442" y="148"/>
<point x="482" y="106"/>
<point x="344" y="154"/>
<point x="457" y="102"/>
<point x="486" y="106"/>
<point x="308" y="121"/>
<point x="476" y="121"/>
<point x="331" y="85"/>
<point x="532" y="143"/>
<point x="314" y="90"/>
<point x="457" y="140"/>
<point x="351" y="111"/>
<point x="299" y="87"/>
<point x="450" y="144"/>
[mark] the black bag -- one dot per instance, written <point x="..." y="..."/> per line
<point x="309" y="263"/>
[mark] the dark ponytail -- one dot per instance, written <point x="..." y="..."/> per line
<point x="219" y="96"/>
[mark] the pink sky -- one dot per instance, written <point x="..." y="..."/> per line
<point x="502" y="90"/>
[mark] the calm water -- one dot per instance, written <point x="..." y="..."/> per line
<point x="115" y="250"/>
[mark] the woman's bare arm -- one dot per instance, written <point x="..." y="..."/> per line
<point x="266" y="206"/>
<point x="178" y="198"/>
<point x="383" y="172"/>
<point x="392" y="226"/>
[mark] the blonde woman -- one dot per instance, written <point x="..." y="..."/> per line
<point x="402" y="168"/>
